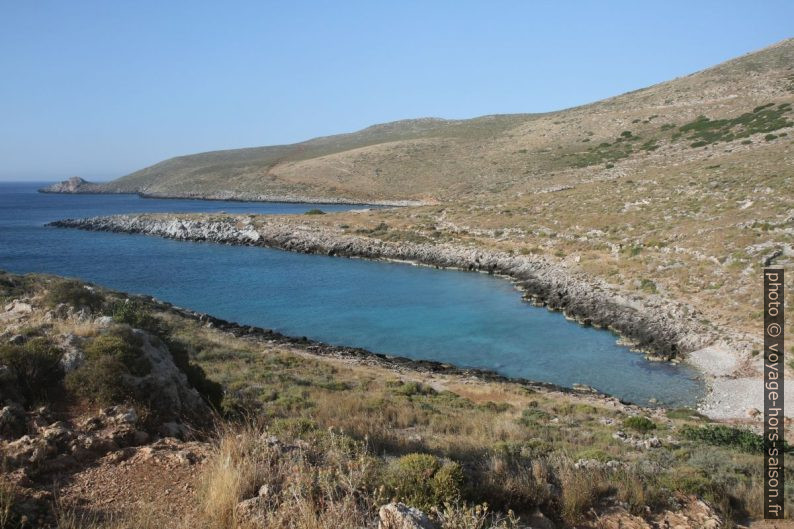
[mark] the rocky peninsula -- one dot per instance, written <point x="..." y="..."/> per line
<point x="661" y="328"/>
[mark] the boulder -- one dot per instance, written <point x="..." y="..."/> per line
<point x="401" y="516"/>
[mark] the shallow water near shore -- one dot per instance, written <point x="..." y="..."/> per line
<point x="463" y="318"/>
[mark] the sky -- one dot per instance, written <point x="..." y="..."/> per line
<point x="100" y="89"/>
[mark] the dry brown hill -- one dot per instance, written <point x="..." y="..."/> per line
<point x="442" y="160"/>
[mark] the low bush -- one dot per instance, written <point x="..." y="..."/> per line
<point x="109" y="357"/>
<point x="421" y="480"/>
<point x="100" y="381"/>
<point x="315" y="212"/>
<point x="533" y="416"/>
<point x="411" y="388"/>
<point x="721" y="435"/>
<point x="133" y="313"/>
<point x="75" y="294"/>
<point x="123" y="345"/>
<point x="639" y="424"/>
<point x="35" y="370"/>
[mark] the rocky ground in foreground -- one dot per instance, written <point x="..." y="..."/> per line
<point x="120" y="411"/>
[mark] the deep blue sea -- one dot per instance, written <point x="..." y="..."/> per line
<point x="463" y="318"/>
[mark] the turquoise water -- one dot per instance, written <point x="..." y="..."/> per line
<point x="467" y="319"/>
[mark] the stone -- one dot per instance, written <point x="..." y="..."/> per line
<point x="252" y="512"/>
<point x="57" y="434"/>
<point x="172" y="429"/>
<point x="19" y="307"/>
<point x="400" y="516"/>
<point x="12" y="420"/>
<point x="653" y="442"/>
<point x="126" y="417"/>
<point x="140" y="438"/>
<point x="71" y="359"/>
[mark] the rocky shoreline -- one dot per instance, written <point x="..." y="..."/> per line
<point x="365" y="356"/>
<point x="77" y="185"/>
<point x="664" y="329"/>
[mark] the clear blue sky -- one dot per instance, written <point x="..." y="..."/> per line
<point x="101" y="88"/>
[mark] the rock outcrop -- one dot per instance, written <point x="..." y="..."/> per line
<point x="167" y="389"/>
<point x="401" y="516"/>
<point x="73" y="185"/>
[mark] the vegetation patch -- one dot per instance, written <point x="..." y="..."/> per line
<point x="423" y="481"/>
<point x="640" y="424"/>
<point x="765" y="118"/>
<point x="721" y="435"/>
<point x="74" y="293"/>
<point x="34" y="370"/>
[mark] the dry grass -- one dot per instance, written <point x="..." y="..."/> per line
<point x="145" y="516"/>
<point x="305" y="487"/>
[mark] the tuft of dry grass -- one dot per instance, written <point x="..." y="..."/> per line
<point x="230" y="475"/>
<point x="326" y="483"/>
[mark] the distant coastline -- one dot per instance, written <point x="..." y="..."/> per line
<point x="78" y="186"/>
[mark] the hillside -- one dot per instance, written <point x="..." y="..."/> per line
<point x="493" y="157"/>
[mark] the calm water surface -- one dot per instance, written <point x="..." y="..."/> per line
<point x="467" y="319"/>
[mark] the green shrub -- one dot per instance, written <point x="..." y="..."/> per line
<point x="75" y="294"/>
<point x="108" y="358"/>
<point x="315" y="212"/>
<point x="648" y="286"/>
<point x="100" y="381"/>
<point x="133" y="313"/>
<point x="420" y="480"/>
<point x="688" y="481"/>
<point x="293" y="427"/>
<point x="532" y="416"/>
<point x="123" y="345"/>
<point x="639" y="424"/>
<point x="411" y="388"/>
<point x="721" y="435"/>
<point x="35" y="369"/>
<point x="762" y="119"/>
